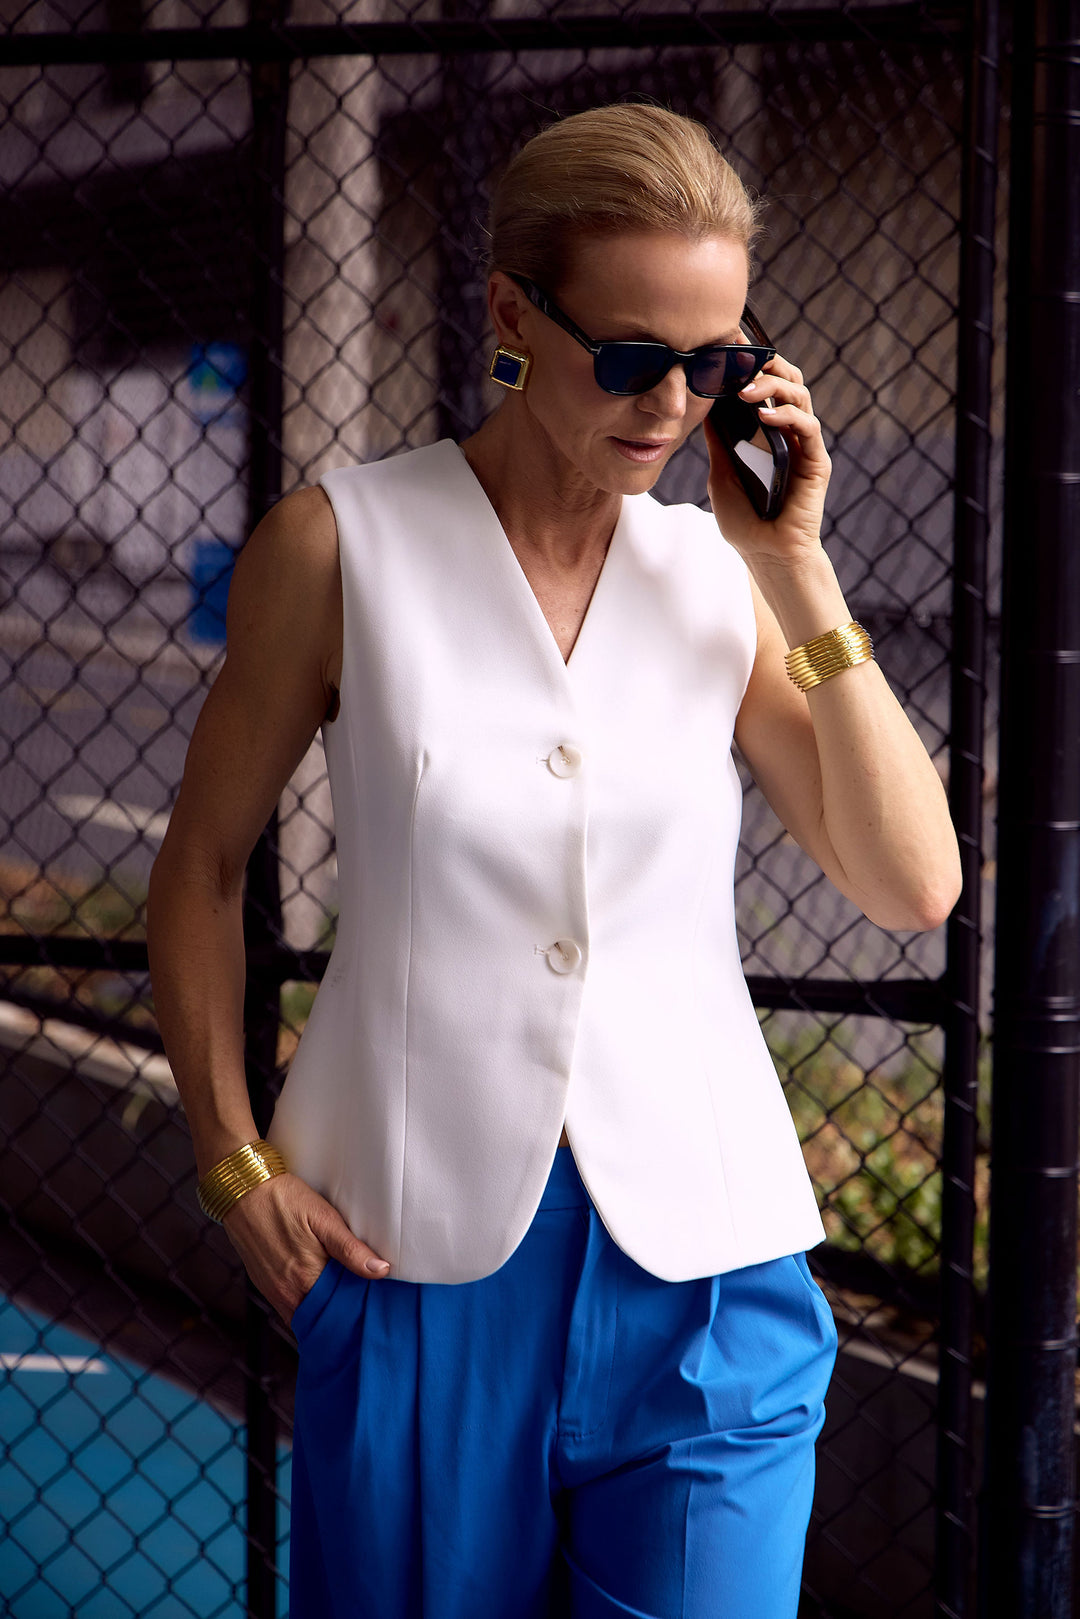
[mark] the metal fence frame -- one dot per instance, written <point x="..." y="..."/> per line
<point x="268" y="45"/>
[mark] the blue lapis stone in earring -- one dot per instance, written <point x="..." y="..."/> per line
<point x="509" y="368"/>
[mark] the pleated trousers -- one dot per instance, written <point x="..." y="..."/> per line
<point x="570" y="1436"/>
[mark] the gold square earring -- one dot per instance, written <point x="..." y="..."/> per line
<point x="509" y="368"/>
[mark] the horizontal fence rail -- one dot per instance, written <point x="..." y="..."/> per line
<point x="288" y="42"/>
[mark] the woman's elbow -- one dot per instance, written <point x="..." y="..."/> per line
<point x="932" y="913"/>
<point x="923" y="905"/>
<point x="187" y="863"/>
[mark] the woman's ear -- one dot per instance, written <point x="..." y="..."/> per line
<point x="507" y="304"/>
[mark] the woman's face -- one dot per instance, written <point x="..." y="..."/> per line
<point x="654" y="285"/>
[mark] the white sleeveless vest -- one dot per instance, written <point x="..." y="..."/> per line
<point x="536" y="923"/>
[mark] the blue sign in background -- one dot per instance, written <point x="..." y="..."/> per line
<point x="216" y="374"/>
<point x="211" y="570"/>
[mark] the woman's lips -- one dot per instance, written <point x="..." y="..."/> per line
<point x="640" y="449"/>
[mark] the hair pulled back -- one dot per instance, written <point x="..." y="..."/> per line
<point x="625" y="167"/>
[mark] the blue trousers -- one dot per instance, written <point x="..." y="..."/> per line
<point x="570" y="1436"/>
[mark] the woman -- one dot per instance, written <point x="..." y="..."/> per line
<point x="532" y="1380"/>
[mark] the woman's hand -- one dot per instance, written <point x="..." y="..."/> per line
<point x="285" y="1232"/>
<point x="797" y="529"/>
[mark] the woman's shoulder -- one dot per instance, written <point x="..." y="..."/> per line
<point x="305" y="516"/>
<point x="298" y="535"/>
<point x="287" y="574"/>
<point x="415" y="468"/>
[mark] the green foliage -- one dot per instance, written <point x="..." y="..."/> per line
<point x="297" y="999"/>
<point x="111" y="906"/>
<point x="869" y="1109"/>
<point x="48" y="904"/>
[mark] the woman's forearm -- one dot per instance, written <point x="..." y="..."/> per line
<point x="196" y="946"/>
<point x="883" y="810"/>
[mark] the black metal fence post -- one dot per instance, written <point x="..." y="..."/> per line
<point x="975" y="342"/>
<point x="262" y="905"/>
<point x="1030" y="1479"/>
<point x="466" y="159"/>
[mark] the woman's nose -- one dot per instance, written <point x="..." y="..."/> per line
<point x="668" y="398"/>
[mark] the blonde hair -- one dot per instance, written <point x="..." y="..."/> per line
<point x="624" y="167"/>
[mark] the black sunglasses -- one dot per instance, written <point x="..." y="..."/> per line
<point x="712" y="370"/>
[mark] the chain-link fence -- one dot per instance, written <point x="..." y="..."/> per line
<point x="236" y="253"/>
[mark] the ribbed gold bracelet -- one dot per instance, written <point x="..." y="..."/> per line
<point x="237" y="1174"/>
<point x="826" y="655"/>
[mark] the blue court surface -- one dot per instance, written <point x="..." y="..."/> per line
<point x="121" y="1495"/>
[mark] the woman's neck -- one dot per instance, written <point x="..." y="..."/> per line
<point x="548" y="511"/>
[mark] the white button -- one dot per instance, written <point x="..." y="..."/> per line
<point x="565" y="760"/>
<point x="564" y="956"/>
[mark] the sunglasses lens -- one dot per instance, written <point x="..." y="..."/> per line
<point x="712" y="374"/>
<point x="634" y="368"/>
<point x="725" y="370"/>
<point x="631" y="368"/>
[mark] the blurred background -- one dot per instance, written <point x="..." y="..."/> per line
<point x="240" y="247"/>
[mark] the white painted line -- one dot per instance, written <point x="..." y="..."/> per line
<point x="14" y="1361"/>
<point x="110" y="812"/>
<point x="902" y="1364"/>
<point x="130" y="1069"/>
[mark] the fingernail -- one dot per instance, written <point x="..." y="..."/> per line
<point x="377" y="1267"/>
<point x="751" y="387"/>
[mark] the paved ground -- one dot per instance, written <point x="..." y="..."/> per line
<point x="90" y="757"/>
<point x="121" y="1497"/>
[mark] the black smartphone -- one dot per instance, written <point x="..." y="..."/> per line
<point x="757" y="451"/>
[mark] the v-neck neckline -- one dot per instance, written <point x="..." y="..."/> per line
<point x="539" y="617"/>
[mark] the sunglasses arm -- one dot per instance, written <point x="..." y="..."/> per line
<point x="553" y="312"/>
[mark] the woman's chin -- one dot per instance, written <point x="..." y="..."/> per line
<point x="635" y="477"/>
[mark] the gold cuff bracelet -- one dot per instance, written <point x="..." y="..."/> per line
<point x="242" y="1170"/>
<point x="826" y="655"/>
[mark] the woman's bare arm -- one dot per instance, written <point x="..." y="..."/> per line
<point x="845" y="771"/>
<point x="841" y="765"/>
<point x="277" y="684"/>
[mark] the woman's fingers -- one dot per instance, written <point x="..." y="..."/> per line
<point x="786" y="386"/>
<point x="783" y="400"/>
<point x="803" y="423"/>
<point x="284" y="1232"/>
<point x="348" y="1250"/>
<point x="779" y="367"/>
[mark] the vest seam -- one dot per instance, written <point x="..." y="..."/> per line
<point x="423" y="763"/>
